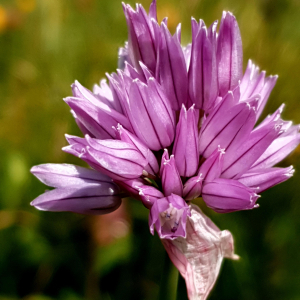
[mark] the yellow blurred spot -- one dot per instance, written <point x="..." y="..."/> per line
<point x="3" y="19"/>
<point x="17" y="217"/>
<point x="26" y="6"/>
<point x="7" y="218"/>
<point x="24" y="70"/>
<point x="17" y="170"/>
<point x="173" y="14"/>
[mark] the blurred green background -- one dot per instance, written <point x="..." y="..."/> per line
<point x="44" y="46"/>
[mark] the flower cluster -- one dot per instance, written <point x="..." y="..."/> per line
<point x="172" y="124"/>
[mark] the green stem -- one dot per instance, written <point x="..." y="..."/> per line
<point x="168" y="283"/>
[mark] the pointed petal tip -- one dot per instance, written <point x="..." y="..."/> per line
<point x="183" y="107"/>
<point x="290" y="171"/>
<point x="33" y="169"/>
<point x="163" y="24"/>
<point x="228" y="13"/>
<point x="235" y="257"/>
<point x="67" y="99"/>
<point x="153" y="20"/>
<point x="221" y="150"/>
<point x="87" y="137"/>
<point x="67" y="137"/>
<point x="192" y="108"/>
<point x="124" y="5"/>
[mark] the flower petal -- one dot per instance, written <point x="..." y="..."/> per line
<point x="172" y="69"/>
<point x="150" y="116"/>
<point x="117" y="159"/>
<point x="96" y="199"/>
<point x="239" y="161"/>
<point x="141" y="39"/>
<point x="232" y="127"/>
<point x="229" y="54"/>
<point x="130" y="138"/>
<point x="186" y="144"/>
<point x="266" y="178"/>
<point x="62" y="175"/>
<point x="168" y="215"/>
<point x="277" y="151"/>
<point x="203" y="88"/>
<point x="228" y="195"/>
<point x="170" y="178"/>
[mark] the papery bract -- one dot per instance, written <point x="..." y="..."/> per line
<point x="198" y="257"/>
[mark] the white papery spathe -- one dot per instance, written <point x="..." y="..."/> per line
<point x="198" y="257"/>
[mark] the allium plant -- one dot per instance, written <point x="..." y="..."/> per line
<point x="172" y="124"/>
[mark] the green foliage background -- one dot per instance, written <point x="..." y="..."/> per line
<point x="44" y="46"/>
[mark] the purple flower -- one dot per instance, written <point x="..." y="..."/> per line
<point x="265" y="178"/>
<point x="192" y="102"/>
<point x="203" y="80"/>
<point x="142" y="38"/>
<point x="254" y="83"/>
<point x="186" y="144"/>
<point x="170" y="178"/>
<point x="130" y="138"/>
<point x="172" y="68"/>
<point x="227" y="126"/>
<point x="169" y="216"/>
<point x="228" y="195"/>
<point x="229" y="54"/>
<point x="114" y="158"/>
<point x="208" y="171"/>
<point x="242" y="157"/>
<point x="150" y="114"/>
<point x="78" y="190"/>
